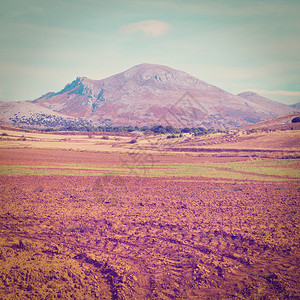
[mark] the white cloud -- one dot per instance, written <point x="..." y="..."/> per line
<point x="149" y="27"/>
<point x="229" y="8"/>
<point x="37" y="9"/>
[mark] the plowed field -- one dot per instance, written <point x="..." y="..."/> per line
<point x="79" y="225"/>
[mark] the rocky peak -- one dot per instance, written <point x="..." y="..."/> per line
<point x="159" y="76"/>
<point x="248" y="94"/>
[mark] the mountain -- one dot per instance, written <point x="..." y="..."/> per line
<point x="279" y="123"/>
<point x="150" y="94"/>
<point x="28" y="114"/>
<point x="295" y="106"/>
<point x="269" y="105"/>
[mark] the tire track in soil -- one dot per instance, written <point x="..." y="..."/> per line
<point x="171" y="241"/>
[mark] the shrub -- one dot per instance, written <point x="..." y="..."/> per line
<point x="173" y="136"/>
<point x="296" y="120"/>
<point x="133" y="141"/>
<point x="186" y="130"/>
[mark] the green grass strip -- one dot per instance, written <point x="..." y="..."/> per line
<point x="261" y="170"/>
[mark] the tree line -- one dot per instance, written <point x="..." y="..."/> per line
<point x="157" y="129"/>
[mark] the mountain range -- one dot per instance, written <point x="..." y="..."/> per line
<point x="147" y="95"/>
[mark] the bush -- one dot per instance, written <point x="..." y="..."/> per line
<point x="133" y="141"/>
<point x="173" y="136"/>
<point x="186" y="130"/>
<point x="296" y="120"/>
<point x="158" y="129"/>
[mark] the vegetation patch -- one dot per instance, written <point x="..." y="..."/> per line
<point x="275" y="170"/>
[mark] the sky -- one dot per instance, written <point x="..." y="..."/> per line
<point x="237" y="45"/>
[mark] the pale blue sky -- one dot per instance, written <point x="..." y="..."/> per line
<point x="237" y="45"/>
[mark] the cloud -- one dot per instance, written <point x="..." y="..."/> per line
<point x="230" y="7"/>
<point x="149" y="27"/>
<point x="37" y="9"/>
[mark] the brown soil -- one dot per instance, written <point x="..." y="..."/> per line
<point x="111" y="237"/>
<point x="56" y="157"/>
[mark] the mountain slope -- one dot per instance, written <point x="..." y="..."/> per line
<point x="27" y="114"/>
<point x="268" y="104"/>
<point x="279" y="123"/>
<point x="295" y="106"/>
<point x="21" y="109"/>
<point x="153" y="94"/>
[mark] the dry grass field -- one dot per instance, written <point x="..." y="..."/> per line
<point x="99" y="217"/>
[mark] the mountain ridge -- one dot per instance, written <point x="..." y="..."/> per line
<point x="295" y="106"/>
<point x="150" y="94"/>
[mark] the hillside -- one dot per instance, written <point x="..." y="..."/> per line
<point x="144" y="95"/>
<point x="152" y="94"/>
<point x="296" y="106"/>
<point x="28" y="114"/>
<point x="280" y="123"/>
<point x="276" y="108"/>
